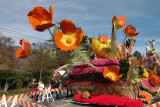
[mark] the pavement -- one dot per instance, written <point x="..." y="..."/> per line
<point x="67" y="102"/>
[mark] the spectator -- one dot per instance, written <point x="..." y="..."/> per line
<point x="32" y="87"/>
<point x="40" y="88"/>
<point x="56" y="85"/>
<point x="52" y="82"/>
<point x="60" y="86"/>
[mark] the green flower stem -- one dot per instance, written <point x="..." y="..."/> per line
<point x="124" y="39"/>
<point x="50" y="32"/>
<point x="113" y="39"/>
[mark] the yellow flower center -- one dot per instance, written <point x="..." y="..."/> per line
<point x="68" y="39"/>
<point x="112" y="75"/>
<point x="46" y="21"/>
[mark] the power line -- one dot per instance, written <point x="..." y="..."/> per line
<point x="1" y="25"/>
<point x="15" y="34"/>
<point x="19" y="33"/>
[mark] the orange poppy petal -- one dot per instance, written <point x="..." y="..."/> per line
<point x="124" y="29"/>
<point x="67" y="26"/>
<point x="122" y="19"/>
<point x="130" y="31"/>
<point x="136" y="34"/>
<point x="20" y="53"/>
<point x="139" y="62"/>
<point x="114" y="18"/>
<point x="118" y="77"/>
<point x="39" y="14"/>
<point x="51" y="10"/>
<point x="33" y="22"/>
<point x="79" y="36"/>
<point x="21" y="41"/>
<point x="103" y="38"/>
<point x="44" y="26"/>
<point x="114" y="68"/>
<point x="26" y="46"/>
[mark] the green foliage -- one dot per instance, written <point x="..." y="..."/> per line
<point x="137" y="54"/>
<point x="128" y="42"/>
<point x="79" y="56"/>
<point x="15" y="92"/>
<point x="50" y="55"/>
<point x="134" y="75"/>
<point x="124" y="65"/>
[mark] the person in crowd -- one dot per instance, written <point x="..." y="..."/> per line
<point x="32" y="87"/>
<point x="40" y="88"/>
<point x="56" y="85"/>
<point x="60" y="86"/>
<point x="52" y="82"/>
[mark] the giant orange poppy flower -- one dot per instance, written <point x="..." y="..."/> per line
<point x="112" y="73"/>
<point x="120" y="22"/>
<point x="69" y="38"/>
<point x="25" y="50"/>
<point x="130" y="31"/>
<point x="40" y="18"/>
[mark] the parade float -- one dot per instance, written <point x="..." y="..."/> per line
<point x="115" y="77"/>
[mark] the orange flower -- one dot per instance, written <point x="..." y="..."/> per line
<point x="25" y="50"/>
<point x="146" y="96"/>
<point x="130" y="31"/>
<point x="120" y="22"/>
<point x="112" y="73"/>
<point x="139" y="63"/>
<point x="103" y="38"/>
<point x="154" y="79"/>
<point x="40" y="18"/>
<point x="85" y="36"/>
<point x="69" y="38"/>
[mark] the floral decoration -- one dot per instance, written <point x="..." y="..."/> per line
<point x="24" y="51"/>
<point x="145" y="96"/>
<point x="109" y="100"/>
<point x="40" y="18"/>
<point x="130" y="31"/>
<point x="69" y="38"/>
<point x="112" y="73"/>
<point x="120" y="22"/>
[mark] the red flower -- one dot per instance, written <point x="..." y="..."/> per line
<point x="130" y="31"/>
<point x="109" y="100"/>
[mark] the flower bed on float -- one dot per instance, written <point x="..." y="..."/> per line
<point x="109" y="100"/>
<point x="114" y="78"/>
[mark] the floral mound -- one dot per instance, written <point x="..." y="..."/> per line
<point x="109" y="100"/>
<point x="100" y="64"/>
<point x="147" y="86"/>
<point x="87" y="78"/>
<point x="98" y="82"/>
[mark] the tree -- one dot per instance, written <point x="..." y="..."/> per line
<point x="7" y="61"/>
<point x="137" y="54"/>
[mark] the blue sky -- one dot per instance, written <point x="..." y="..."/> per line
<point x="94" y="16"/>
